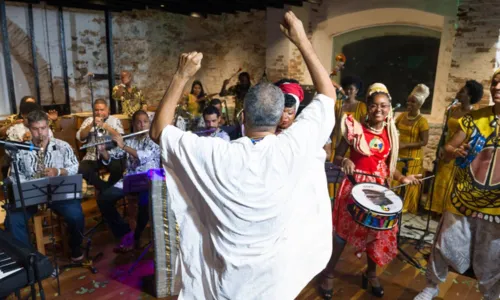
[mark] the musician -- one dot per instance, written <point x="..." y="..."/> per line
<point x="413" y="136"/>
<point x="373" y="145"/>
<point x="218" y="104"/>
<point x="196" y="99"/>
<point x="294" y="94"/>
<point x="19" y="131"/>
<point x="60" y="160"/>
<point x="141" y="154"/>
<point x="130" y="96"/>
<point x="467" y="96"/>
<point x="238" y="91"/>
<point x="212" y="117"/>
<point x="469" y="231"/>
<point x="18" y="118"/>
<point x="240" y="206"/>
<point x="89" y="166"/>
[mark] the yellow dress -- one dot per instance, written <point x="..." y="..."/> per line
<point x="476" y="188"/>
<point x="193" y="107"/>
<point x="443" y="183"/>
<point x="411" y="134"/>
<point x="359" y="113"/>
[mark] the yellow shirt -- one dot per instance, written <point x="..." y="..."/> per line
<point x="476" y="191"/>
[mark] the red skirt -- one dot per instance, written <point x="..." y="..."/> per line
<point x="379" y="245"/>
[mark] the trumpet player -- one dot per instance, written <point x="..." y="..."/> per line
<point x="141" y="154"/>
<point x="55" y="159"/>
<point x="90" y="165"/>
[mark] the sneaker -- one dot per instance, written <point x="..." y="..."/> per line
<point x="427" y="294"/>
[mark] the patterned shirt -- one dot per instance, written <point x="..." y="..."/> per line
<point x="131" y="101"/>
<point x="16" y="133"/>
<point x="115" y="123"/>
<point x="59" y="154"/>
<point x="148" y="153"/>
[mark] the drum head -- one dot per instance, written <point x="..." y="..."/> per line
<point x="377" y="198"/>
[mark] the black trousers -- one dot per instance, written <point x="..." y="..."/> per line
<point x="90" y="172"/>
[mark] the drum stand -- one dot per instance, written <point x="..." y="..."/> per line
<point x="408" y="258"/>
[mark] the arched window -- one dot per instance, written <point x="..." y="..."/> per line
<point x="396" y="55"/>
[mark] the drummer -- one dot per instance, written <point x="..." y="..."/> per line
<point x="373" y="145"/>
<point x="89" y="166"/>
<point x="130" y="96"/>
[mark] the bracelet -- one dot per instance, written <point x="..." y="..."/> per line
<point x="58" y="172"/>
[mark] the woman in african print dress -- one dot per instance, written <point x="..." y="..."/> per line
<point x="413" y="136"/>
<point x="374" y="146"/>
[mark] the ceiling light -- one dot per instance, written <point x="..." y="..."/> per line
<point x="162" y="5"/>
<point x="195" y="15"/>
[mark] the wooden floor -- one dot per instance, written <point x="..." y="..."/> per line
<point x="400" y="280"/>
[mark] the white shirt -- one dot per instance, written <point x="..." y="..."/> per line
<point x="115" y="123"/>
<point x="255" y="220"/>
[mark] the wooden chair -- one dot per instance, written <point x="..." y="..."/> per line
<point x="42" y="229"/>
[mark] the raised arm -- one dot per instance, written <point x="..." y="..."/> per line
<point x="189" y="64"/>
<point x="292" y="27"/>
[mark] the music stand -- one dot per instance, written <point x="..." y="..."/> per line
<point x="47" y="191"/>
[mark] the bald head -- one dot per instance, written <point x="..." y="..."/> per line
<point x="264" y="104"/>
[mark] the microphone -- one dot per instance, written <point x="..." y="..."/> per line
<point x="398" y="105"/>
<point x="19" y="146"/>
<point x="455" y="101"/>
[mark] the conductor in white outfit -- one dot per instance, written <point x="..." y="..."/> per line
<point x="254" y="214"/>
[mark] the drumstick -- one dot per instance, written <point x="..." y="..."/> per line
<point x="402" y="185"/>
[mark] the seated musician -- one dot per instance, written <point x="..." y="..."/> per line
<point x="89" y="166"/>
<point x="142" y="154"/>
<point x="211" y="116"/>
<point x="294" y="94"/>
<point x="218" y="104"/>
<point x="58" y="160"/>
<point x="373" y="145"/>
<point x="130" y="97"/>
<point x="18" y="118"/>
<point x="19" y="131"/>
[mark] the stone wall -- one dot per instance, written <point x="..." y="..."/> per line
<point x="148" y="43"/>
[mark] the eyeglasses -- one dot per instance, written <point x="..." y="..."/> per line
<point x="375" y="106"/>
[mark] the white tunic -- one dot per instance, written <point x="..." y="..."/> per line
<point x="255" y="220"/>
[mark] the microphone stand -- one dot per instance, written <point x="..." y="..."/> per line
<point x="13" y="149"/>
<point x="426" y="231"/>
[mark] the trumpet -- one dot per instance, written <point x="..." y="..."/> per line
<point x="108" y="140"/>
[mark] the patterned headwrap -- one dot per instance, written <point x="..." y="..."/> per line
<point x="391" y="126"/>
